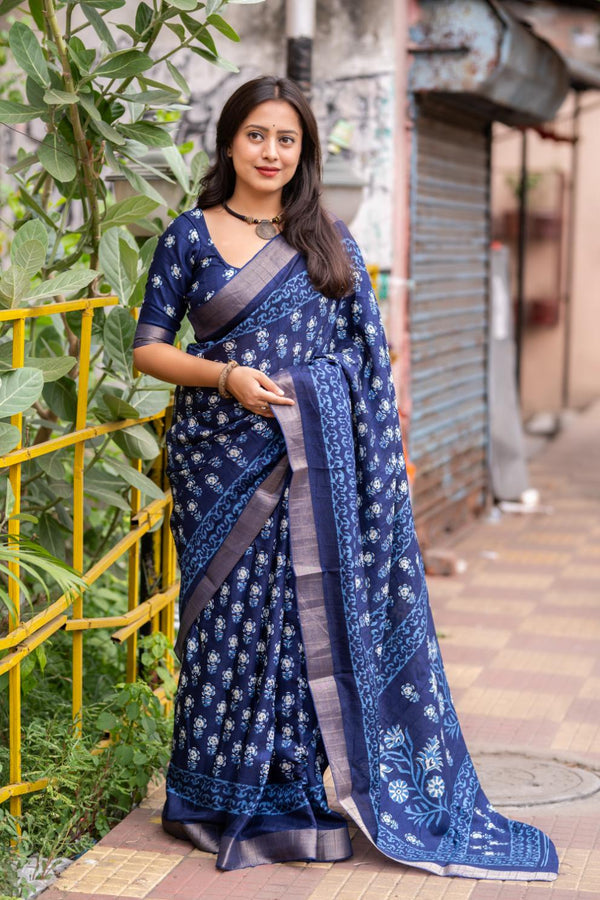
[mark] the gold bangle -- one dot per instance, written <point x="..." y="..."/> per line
<point x="223" y="376"/>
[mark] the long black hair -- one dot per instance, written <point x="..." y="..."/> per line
<point x="306" y="225"/>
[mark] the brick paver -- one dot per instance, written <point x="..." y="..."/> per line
<point x="520" y="632"/>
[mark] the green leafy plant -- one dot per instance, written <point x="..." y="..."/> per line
<point x="36" y="562"/>
<point x="91" y="787"/>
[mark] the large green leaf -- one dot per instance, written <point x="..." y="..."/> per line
<point x="51" y="536"/>
<point x="135" y="479"/>
<point x="112" y="251"/>
<point x="51" y="367"/>
<point x="61" y="397"/>
<point x="147" y="252"/>
<point x="7" y="5"/>
<point x="119" y="408"/>
<point x="29" y="255"/>
<point x="158" y="98"/>
<point x="36" y="8"/>
<point x="128" y="210"/>
<point x="28" y="53"/>
<point x="138" y="182"/>
<point x="178" y="78"/>
<point x="147" y="133"/>
<point x="224" y="27"/>
<point x="87" y="101"/>
<point x="186" y="5"/>
<point x="215" y="60"/>
<point x="14" y="113"/>
<point x="9" y="438"/>
<point x="123" y="64"/>
<point x="81" y="56"/>
<point x="99" y="25"/>
<point x="143" y="17"/>
<point x="35" y="94"/>
<point x="151" y="396"/>
<point x="137" y="442"/>
<point x="107" y="4"/>
<point x="119" y="330"/>
<point x="14" y="284"/>
<point x="55" y="97"/>
<point x="107" y="131"/>
<point x="213" y="5"/>
<point x="30" y="231"/>
<point x="65" y="283"/>
<point x="111" y="498"/>
<point x="178" y="167"/>
<point x="56" y="156"/>
<point x="19" y="389"/>
<point x="24" y="161"/>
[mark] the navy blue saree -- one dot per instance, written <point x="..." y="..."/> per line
<point x="306" y="638"/>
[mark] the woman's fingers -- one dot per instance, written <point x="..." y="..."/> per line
<point x="277" y="399"/>
<point x="277" y="395"/>
<point x="255" y="390"/>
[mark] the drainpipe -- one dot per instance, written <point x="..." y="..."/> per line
<point x="566" y="379"/>
<point x="405" y="15"/>
<point x="521" y="262"/>
<point x="300" y="30"/>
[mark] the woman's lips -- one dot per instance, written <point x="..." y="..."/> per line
<point x="270" y="173"/>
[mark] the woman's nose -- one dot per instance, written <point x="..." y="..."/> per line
<point x="270" y="148"/>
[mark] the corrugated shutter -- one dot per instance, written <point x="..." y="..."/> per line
<point x="448" y="318"/>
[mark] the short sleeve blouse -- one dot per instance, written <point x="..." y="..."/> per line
<point x="186" y="271"/>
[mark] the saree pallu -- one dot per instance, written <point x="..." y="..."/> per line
<point x="301" y="527"/>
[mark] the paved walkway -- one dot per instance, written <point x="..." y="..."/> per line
<point x="520" y="636"/>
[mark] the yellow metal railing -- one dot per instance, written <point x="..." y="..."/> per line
<point x="23" y="637"/>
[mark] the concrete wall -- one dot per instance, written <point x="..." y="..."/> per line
<point x="543" y="350"/>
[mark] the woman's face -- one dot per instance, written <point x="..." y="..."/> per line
<point x="266" y="148"/>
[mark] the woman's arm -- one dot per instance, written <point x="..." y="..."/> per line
<point x="251" y="387"/>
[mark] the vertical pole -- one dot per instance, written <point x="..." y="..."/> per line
<point x="78" y="516"/>
<point x="133" y="590"/>
<point x="399" y="330"/>
<point x="300" y="29"/>
<point x="570" y="274"/>
<point x="14" y="593"/>
<point x="521" y="260"/>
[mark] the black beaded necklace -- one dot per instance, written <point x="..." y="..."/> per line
<point x="265" y="228"/>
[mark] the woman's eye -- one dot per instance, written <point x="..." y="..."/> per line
<point x="287" y="140"/>
<point x="255" y="135"/>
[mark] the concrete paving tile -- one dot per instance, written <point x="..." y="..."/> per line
<point x="474" y="636"/>
<point x="578" y="737"/>
<point x="564" y="626"/>
<point x="463" y="676"/>
<point x="544" y="661"/>
<point x="514" y="704"/>
<point x="486" y="606"/>
<point x="514" y="580"/>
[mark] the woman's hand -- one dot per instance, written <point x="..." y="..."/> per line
<point x="255" y="390"/>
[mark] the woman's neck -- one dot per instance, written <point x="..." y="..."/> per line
<point x="251" y="203"/>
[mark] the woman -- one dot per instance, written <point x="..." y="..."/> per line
<point x="306" y="638"/>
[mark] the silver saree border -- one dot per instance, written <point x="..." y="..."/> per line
<point x="252" y="278"/>
<point x="311" y="602"/>
<point x="254" y="515"/>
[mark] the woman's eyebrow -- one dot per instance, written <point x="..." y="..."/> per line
<point x="266" y="128"/>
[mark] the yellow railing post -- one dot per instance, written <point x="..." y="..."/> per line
<point x="78" y="508"/>
<point x="133" y="593"/>
<point x="14" y="593"/>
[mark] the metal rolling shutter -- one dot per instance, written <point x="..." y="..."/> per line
<point x="448" y="318"/>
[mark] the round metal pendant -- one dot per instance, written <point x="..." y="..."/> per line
<point x="266" y="230"/>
